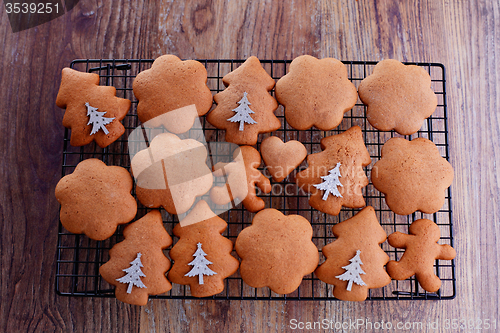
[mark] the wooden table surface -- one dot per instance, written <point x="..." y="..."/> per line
<point x="463" y="35"/>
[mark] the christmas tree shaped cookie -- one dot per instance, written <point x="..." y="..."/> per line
<point x="137" y="265"/>
<point x="276" y="251"/>
<point x="335" y="176"/>
<point x="245" y="108"/>
<point x="95" y="199"/>
<point x="93" y="112"/>
<point x="421" y="252"/>
<point x="354" y="261"/>
<point x="316" y="93"/>
<point x="202" y="256"/>
<point x="171" y="84"/>
<point x="242" y="177"/>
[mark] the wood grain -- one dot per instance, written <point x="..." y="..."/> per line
<point x="463" y="35"/>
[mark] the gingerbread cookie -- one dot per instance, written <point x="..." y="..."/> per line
<point x="276" y="251"/>
<point x="354" y="261"/>
<point x="412" y="175"/>
<point x="245" y="108"/>
<point x="242" y="177"/>
<point x="95" y="199"/>
<point x="171" y="173"/>
<point x="421" y="252"/>
<point x="93" y="112"/>
<point x="335" y="176"/>
<point x="171" y="84"/>
<point x="282" y="158"/>
<point x="202" y="256"/>
<point x="398" y="97"/>
<point x="316" y="93"/>
<point x="137" y="265"/>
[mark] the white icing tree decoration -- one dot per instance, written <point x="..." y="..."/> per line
<point x="97" y="119"/>
<point x="331" y="181"/>
<point x="243" y="112"/>
<point x="134" y="274"/>
<point x="353" y="272"/>
<point x="200" y="264"/>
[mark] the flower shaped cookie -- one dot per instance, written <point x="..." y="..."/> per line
<point x="316" y="93"/>
<point x="171" y="84"/>
<point x="171" y="173"/>
<point x="276" y="251"/>
<point x="95" y="199"/>
<point x="398" y="97"/>
<point x="412" y="175"/>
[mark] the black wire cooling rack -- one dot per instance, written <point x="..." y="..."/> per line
<point x="79" y="258"/>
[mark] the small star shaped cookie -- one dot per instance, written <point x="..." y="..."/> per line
<point x="412" y="175"/>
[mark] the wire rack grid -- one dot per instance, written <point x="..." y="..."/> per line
<point x="79" y="258"/>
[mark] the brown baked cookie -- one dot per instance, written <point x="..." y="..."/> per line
<point x="316" y="93"/>
<point x="93" y="112"/>
<point x="137" y="265"/>
<point x="95" y="199"/>
<point x="354" y="261"/>
<point x="202" y="256"/>
<point x="282" y="158"/>
<point x="335" y="176"/>
<point x="398" y="97"/>
<point x="245" y="108"/>
<point x="242" y="177"/>
<point x="421" y="252"/>
<point x="412" y="175"/>
<point x="168" y="85"/>
<point x="171" y="173"/>
<point x="276" y="251"/>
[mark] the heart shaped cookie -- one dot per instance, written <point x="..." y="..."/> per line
<point x="282" y="158"/>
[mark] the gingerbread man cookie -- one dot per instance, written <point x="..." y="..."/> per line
<point x="421" y="252"/>
<point x="276" y="251"/>
<point x="172" y="84"/>
<point x="335" y="176"/>
<point x="242" y="177"/>
<point x="354" y="261"/>
<point x="316" y="93"/>
<point x="93" y="112"/>
<point x="95" y="199"/>
<point x="245" y="108"/>
<point x="137" y="265"/>
<point x="171" y="173"/>
<point x="412" y="175"/>
<point x="282" y="158"/>
<point x="398" y="97"/>
<point x="202" y="256"/>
